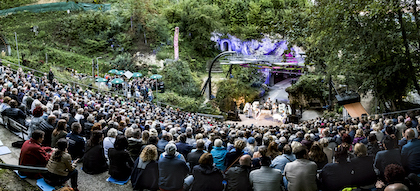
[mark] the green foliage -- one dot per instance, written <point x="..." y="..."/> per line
<point x="308" y="87"/>
<point x="179" y="78"/>
<point x="7" y="4"/>
<point x="187" y="103"/>
<point x="233" y="90"/>
<point x="369" y="42"/>
<point x="123" y="62"/>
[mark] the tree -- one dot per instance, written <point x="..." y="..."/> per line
<point x="365" y="42"/>
<point x="179" y="78"/>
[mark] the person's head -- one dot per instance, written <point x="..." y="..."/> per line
<point x="359" y="133"/>
<point x="265" y="161"/>
<point x="200" y="145"/>
<point x="13" y="103"/>
<point x="62" y="144"/>
<point x="245" y="160"/>
<point x="394" y="173"/>
<point x="397" y="187"/>
<point x="218" y="143"/>
<point x="300" y="152"/>
<point x="37" y="112"/>
<point x="360" y="150"/>
<point x="61" y="125"/>
<point x="112" y="133"/>
<point x="340" y="154"/>
<point x="121" y="142"/>
<point x="38" y="136"/>
<point x="389" y="142"/>
<point x="409" y="134"/>
<point x="76" y="128"/>
<point x="239" y="144"/>
<point x="149" y="153"/>
<point x="51" y="119"/>
<point x="95" y="138"/>
<point x="206" y="159"/>
<point x="170" y="149"/>
<point x="372" y="138"/>
<point x="136" y="133"/>
<point x="287" y="149"/>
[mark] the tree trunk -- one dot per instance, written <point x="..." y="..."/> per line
<point x="407" y="51"/>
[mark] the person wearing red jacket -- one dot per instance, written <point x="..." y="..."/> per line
<point x="33" y="154"/>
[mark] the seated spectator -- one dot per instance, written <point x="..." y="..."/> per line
<point x="76" y="142"/>
<point x="15" y="113"/>
<point x="134" y="144"/>
<point x="183" y="147"/>
<point x="109" y="140"/>
<point x="266" y="178"/>
<point x="88" y="126"/>
<point x="363" y="172"/>
<point x="301" y="173"/>
<point x="206" y="176"/>
<point x="280" y="161"/>
<point x="94" y="161"/>
<point x="358" y="137"/>
<point x="194" y="157"/>
<point x="60" y="168"/>
<point x="373" y="146"/>
<point x="145" y="174"/>
<point x="172" y="169"/>
<point x="307" y="141"/>
<point x="163" y="142"/>
<point x="327" y="150"/>
<point x="393" y="174"/>
<point x="396" y="187"/>
<point x="237" y="177"/>
<point x="272" y="150"/>
<point x="336" y="176"/>
<point x="317" y="155"/>
<point x="391" y="155"/>
<point x="48" y="128"/>
<point x="410" y="153"/>
<point x="233" y="156"/>
<point x="36" y="120"/>
<point x="59" y="132"/>
<point x="5" y="103"/>
<point x="219" y="154"/>
<point x="32" y="154"/>
<point x="120" y="163"/>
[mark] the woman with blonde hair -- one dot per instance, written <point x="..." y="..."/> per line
<point x="377" y="131"/>
<point x="145" y="172"/>
<point x="359" y="136"/>
<point x="363" y="171"/>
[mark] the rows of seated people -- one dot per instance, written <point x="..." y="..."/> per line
<point x="168" y="149"/>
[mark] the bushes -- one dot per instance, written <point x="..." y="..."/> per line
<point x="234" y="90"/>
<point x="7" y="4"/>
<point x="308" y="87"/>
<point x="187" y="103"/>
<point x="179" y="78"/>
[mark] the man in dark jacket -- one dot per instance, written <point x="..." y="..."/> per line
<point x="50" y="76"/>
<point x="172" y="170"/>
<point x="182" y="146"/>
<point x="237" y="177"/>
<point x="76" y="142"/>
<point x="15" y="113"/>
<point x="48" y="128"/>
<point x="195" y="156"/>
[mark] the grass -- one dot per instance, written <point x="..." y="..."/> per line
<point x="9" y="181"/>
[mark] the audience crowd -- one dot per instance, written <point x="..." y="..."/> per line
<point x="164" y="148"/>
